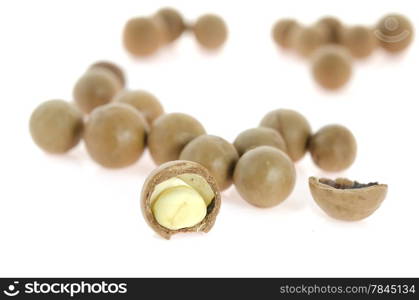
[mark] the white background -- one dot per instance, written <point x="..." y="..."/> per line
<point x="67" y="216"/>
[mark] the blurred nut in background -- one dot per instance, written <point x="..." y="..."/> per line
<point x="308" y="39"/>
<point x="332" y="66"/>
<point x="112" y="67"/>
<point x="333" y="27"/>
<point x="359" y="40"/>
<point x="394" y="32"/>
<point x="283" y="32"/>
<point x="210" y="31"/>
<point x="174" y="25"/>
<point x="142" y="36"/>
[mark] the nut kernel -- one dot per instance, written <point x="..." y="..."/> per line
<point x="188" y="171"/>
<point x="179" y="207"/>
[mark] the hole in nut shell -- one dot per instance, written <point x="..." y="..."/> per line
<point x="344" y="184"/>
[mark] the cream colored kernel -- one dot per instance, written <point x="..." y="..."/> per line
<point x="179" y="207"/>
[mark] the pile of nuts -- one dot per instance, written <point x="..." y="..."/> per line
<point x="183" y="194"/>
<point x="330" y="45"/>
<point x="144" y="36"/>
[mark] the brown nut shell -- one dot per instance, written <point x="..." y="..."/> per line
<point x="308" y="39"/>
<point x="112" y="67"/>
<point x="173" y="22"/>
<point x="333" y="148"/>
<point x="173" y="169"/>
<point x="333" y="27"/>
<point x="170" y="133"/>
<point x="142" y="36"/>
<point x="95" y="88"/>
<point x="145" y="102"/>
<point x="115" y="135"/>
<point x="360" y="41"/>
<point x="294" y="129"/>
<point x="215" y="154"/>
<point x="56" y="126"/>
<point x="264" y="176"/>
<point x="394" y="32"/>
<point x="260" y="136"/>
<point x="331" y="66"/>
<point x="283" y="31"/>
<point x="347" y="200"/>
<point x="210" y="31"/>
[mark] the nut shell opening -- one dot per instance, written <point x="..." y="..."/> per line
<point x="180" y="169"/>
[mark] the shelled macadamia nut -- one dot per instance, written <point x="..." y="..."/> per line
<point x="333" y="28"/>
<point x="180" y="196"/>
<point x="394" y="32"/>
<point x="283" y="32"/>
<point x="115" y="135"/>
<point x="56" y="126"/>
<point x="347" y="200"/>
<point x="308" y="39"/>
<point x="112" y="67"/>
<point x="95" y="88"/>
<point x="170" y="133"/>
<point x="294" y="129"/>
<point x="145" y="102"/>
<point x="210" y="31"/>
<point x="143" y="36"/>
<point x="173" y="22"/>
<point x="217" y="155"/>
<point x="261" y="136"/>
<point x="331" y="66"/>
<point x="264" y="176"/>
<point x="333" y="148"/>
<point x="359" y="40"/>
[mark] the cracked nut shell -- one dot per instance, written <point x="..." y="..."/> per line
<point x="56" y="126"/>
<point x="264" y="176"/>
<point x="394" y="32"/>
<point x="169" y="170"/>
<point x="260" y="136"/>
<point x="170" y="133"/>
<point x="95" y="88"/>
<point x="294" y="129"/>
<point x="210" y="31"/>
<point x="217" y="155"/>
<point x="333" y="148"/>
<point x="145" y="102"/>
<point x="115" y="135"/>
<point x="331" y="66"/>
<point x="347" y="200"/>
